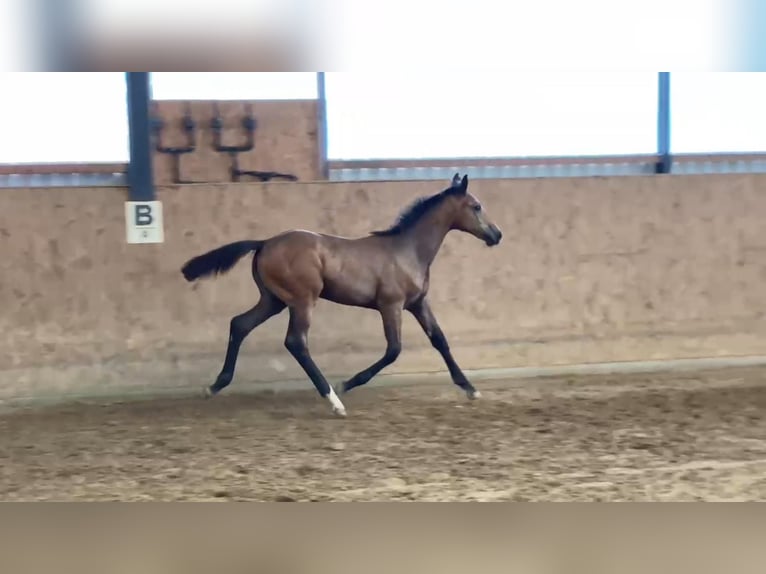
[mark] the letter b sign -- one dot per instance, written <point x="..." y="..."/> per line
<point x="143" y="215"/>
<point x="144" y="221"/>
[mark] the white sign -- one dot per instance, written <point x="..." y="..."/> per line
<point x="143" y="220"/>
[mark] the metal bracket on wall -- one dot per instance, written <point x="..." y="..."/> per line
<point x="249" y="124"/>
<point x="189" y="127"/>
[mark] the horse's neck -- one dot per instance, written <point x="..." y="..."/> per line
<point x="427" y="236"/>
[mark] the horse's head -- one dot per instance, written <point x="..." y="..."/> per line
<point x="470" y="215"/>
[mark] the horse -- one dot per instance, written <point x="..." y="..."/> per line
<point x="387" y="271"/>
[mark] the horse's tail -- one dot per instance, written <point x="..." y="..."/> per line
<point x="219" y="260"/>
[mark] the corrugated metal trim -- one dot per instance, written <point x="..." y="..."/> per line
<point x="514" y="168"/>
<point x="719" y="166"/>
<point x="61" y="167"/>
<point x="114" y="175"/>
<point x="494" y="161"/>
<point x="31" y="180"/>
<point x="492" y="171"/>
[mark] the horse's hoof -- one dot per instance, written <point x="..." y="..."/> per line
<point x="340" y="389"/>
<point x="474" y="395"/>
<point x="206" y="393"/>
<point x="338" y="408"/>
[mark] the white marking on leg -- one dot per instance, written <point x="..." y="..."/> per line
<point x="473" y="395"/>
<point x="337" y="406"/>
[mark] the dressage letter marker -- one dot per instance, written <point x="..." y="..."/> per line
<point x="143" y="220"/>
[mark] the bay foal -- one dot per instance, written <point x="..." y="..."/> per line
<point x="387" y="271"/>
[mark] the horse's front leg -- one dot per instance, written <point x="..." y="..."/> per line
<point x="425" y="317"/>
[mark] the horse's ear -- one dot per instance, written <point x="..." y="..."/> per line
<point x="464" y="184"/>
<point x="455" y="180"/>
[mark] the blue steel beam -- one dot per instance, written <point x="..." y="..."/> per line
<point x="322" y="125"/>
<point x="663" y="123"/>
<point x="140" y="178"/>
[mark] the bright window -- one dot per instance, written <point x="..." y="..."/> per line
<point x="234" y="85"/>
<point x="717" y="112"/>
<point x="499" y="113"/>
<point x="63" y="117"/>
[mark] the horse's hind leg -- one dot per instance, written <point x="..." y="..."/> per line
<point x="392" y="327"/>
<point x="241" y="326"/>
<point x="296" y="342"/>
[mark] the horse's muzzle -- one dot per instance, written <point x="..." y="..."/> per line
<point x="493" y="236"/>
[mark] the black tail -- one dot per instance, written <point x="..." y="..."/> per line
<point x="218" y="260"/>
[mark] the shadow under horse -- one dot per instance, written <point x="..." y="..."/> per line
<point x="388" y="271"/>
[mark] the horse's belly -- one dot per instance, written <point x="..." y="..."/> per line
<point x="347" y="283"/>
<point x="348" y="291"/>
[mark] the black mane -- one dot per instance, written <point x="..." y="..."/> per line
<point x="411" y="214"/>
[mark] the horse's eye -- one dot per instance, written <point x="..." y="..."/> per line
<point x="477" y="207"/>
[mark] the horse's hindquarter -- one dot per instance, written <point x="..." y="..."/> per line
<point x="291" y="267"/>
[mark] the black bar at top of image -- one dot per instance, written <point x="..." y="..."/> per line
<point x="58" y="40"/>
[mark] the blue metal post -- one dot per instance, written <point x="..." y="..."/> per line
<point x="322" y="125"/>
<point x="663" y="124"/>
<point x="140" y="176"/>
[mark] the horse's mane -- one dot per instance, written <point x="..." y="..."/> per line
<point x="411" y="214"/>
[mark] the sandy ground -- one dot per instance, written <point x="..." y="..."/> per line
<point x="669" y="437"/>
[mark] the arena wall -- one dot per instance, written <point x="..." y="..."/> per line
<point x="590" y="270"/>
<point x="285" y="139"/>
